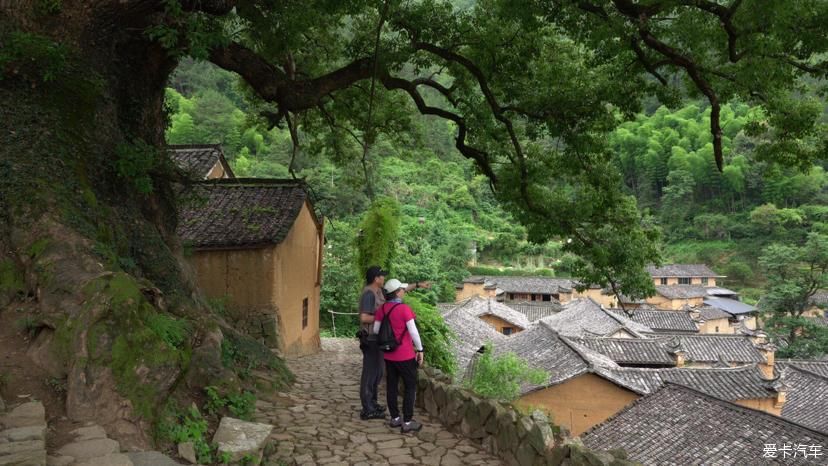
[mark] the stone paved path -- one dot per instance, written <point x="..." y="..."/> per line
<point x="317" y="420"/>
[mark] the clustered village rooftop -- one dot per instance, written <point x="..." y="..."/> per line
<point x="684" y="376"/>
<point x="689" y="364"/>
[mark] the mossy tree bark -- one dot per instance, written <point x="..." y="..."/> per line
<point x="87" y="216"/>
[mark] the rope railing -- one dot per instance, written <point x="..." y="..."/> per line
<point x="333" y="318"/>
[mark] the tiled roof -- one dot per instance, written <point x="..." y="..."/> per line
<point x="471" y="333"/>
<point x="198" y="159"/>
<point x="677" y="425"/>
<point x="820" y="298"/>
<point x="719" y="291"/>
<point x="669" y="321"/>
<point x="807" y="399"/>
<point x="731" y="383"/>
<point x="537" y="310"/>
<point x="239" y="212"/>
<point x="710" y="312"/>
<point x="682" y="270"/>
<point x="582" y="317"/>
<point x="817" y="367"/>
<point x="731" y="306"/>
<point x="479" y="306"/>
<point x="539" y="285"/>
<point x="712" y="347"/>
<point x="445" y="307"/>
<point x="543" y="348"/>
<point x="638" y="351"/>
<point x="681" y="291"/>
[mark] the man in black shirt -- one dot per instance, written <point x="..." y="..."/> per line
<point x="372" y="363"/>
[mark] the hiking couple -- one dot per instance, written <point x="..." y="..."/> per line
<point x="381" y="301"/>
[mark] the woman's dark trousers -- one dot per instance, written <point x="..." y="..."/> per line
<point x="407" y="371"/>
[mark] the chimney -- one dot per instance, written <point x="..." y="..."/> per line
<point x="768" y="351"/>
<point x="677" y="348"/>
<point x="781" y="389"/>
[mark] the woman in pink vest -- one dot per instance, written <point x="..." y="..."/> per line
<point x="403" y="361"/>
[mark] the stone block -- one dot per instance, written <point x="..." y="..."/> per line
<point x="19" y="434"/>
<point x="541" y="436"/>
<point x="25" y="458"/>
<point x="59" y="460"/>
<point x="440" y="396"/>
<point x="524" y="424"/>
<point x="239" y="438"/>
<point x="525" y="454"/>
<point x="87" y="449"/>
<point x="88" y="433"/>
<point x="186" y="450"/>
<point x="113" y="459"/>
<point x="151" y="458"/>
<point x="13" y="448"/>
<point x="27" y="414"/>
<point x="492" y="423"/>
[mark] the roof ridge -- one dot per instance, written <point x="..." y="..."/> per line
<point x="194" y="146"/>
<point x="728" y="404"/>
<point x="252" y="181"/>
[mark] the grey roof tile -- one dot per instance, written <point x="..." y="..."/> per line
<point x="583" y="317"/>
<point x="710" y="348"/>
<point x="239" y="212"/>
<point x="731" y="383"/>
<point x="681" y="291"/>
<point x="479" y="306"/>
<point x="638" y="351"/>
<point x="664" y="321"/>
<point x="538" y="285"/>
<point x="471" y="333"/>
<point x="807" y="398"/>
<point x="810" y="365"/>
<point x="678" y="425"/>
<point x="710" y="312"/>
<point x="537" y="310"/>
<point x="198" y="159"/>
<point x="731" y="306"/>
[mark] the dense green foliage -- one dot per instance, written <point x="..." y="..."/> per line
<point x="436" y="335"/>
<point x="376" y="239"/>
<point x="795" y="274"/>
<point x="501" y="376"/>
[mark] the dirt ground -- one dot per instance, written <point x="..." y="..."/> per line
<point x="21" y="380"/>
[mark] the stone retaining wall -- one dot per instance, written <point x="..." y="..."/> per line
<point x="260" y="325"/>
<point x="519" y="439"/>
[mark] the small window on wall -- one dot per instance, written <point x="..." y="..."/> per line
<point x="717" y="329"/>
<point x="304" y="313"/>
<point x="663" y="280"/>
<point x="507" y="330"/>
<point x="684" y="280"/>
<point x="704" y="281"/>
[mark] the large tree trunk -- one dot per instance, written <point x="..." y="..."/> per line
<point x="93" y="258"/>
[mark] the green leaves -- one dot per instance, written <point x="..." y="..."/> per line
<point x="501" y="377"/>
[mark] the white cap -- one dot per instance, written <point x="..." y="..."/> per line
<point x="394" y="285"/>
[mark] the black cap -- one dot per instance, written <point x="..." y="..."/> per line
<point x="373" y="272"/>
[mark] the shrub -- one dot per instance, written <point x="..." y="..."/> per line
<point x="187" y="427"/>
<point x="436" y="335"/>
<point x="500" y="377"/>
<point x="239" y="404"/>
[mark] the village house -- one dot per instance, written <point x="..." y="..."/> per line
<point x="807" y="398"/>
<point x="535" y="311"/>
<point x="201" y="161"/>
<point x="516" y="289"/>
<point x="471" y="334"/>
<point x="682" y="425"/>
<point x="257" y="245"/>
<point x="583" y="317"/>
<point x="499" y="316"/>
<point x="662" y="321"/>
<point x="683" y="274"/>
<point x="586" y="387"/>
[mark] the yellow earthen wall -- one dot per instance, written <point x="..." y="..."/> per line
<point x="270" y="278"/>
<point x="217" y="172"/>
<point x="711" y="281"/>
<point x="608" y="301"/>
<point x="499" y="323"/>
<point x="581" y="402"/>
<point x="473" y="289"/>
<point x="762" y="404"/>
<point x="709" y="326"/>
<point x="296" y="265"/>
<point x="660" y="302"/>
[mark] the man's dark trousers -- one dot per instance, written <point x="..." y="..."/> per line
<point x="372" y="364"/>
<point x="407" y="371"/>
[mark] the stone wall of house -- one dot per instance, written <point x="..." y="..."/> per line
<point x="261" y="325"/>
<point x="519" y="439"/>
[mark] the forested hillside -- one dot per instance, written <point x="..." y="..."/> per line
<point x="665" y="156"/>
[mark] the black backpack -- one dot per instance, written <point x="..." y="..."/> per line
<point x="386" y="340"/>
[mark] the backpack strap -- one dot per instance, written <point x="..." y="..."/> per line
<point x="388" y="316"/>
